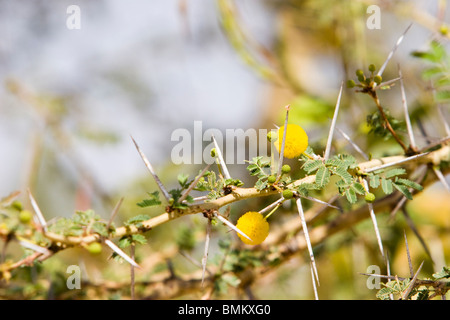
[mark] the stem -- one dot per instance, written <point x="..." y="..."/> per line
<point x="374" y="96"/>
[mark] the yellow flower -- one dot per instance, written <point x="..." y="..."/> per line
<point x="253" y="225"/>
<point x="296" y="141"/>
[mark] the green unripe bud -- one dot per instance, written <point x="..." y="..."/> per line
<point x="361" y="78"/>
<point x="359" y="73"/>
<point x="271" y="179"/>
<point x="351" y="83"/>
<point x="369" y="197"/>
<point x="288" y="194"/>
<point x="377" y="79"/>
<point x="17" y="205"/>
<point x="272" y="136"/>
<point x="371" y="67"/>
<point x="213" y="152"/>
<point x="286" y="168"/>
<point x="94" y="248"/>
<point x="25" y="216"/>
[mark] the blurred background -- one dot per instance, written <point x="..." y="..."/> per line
<point x="70" y="99"/>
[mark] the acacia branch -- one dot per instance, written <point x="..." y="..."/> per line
<point x="60" y="242"/>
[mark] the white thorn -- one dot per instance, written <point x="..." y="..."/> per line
<point x="221" y="161"/>
<point x="333" y="124"/>
<point x="308" y="240"/>
<point x="400" y="39"/>
<point x="119" y="251"/>
<point x="374" y="221"/>
<point x="152" y="172"/>
<point x="228" y="223"/>
<point x="38" y="212"/>
<point x="412" y="141"/>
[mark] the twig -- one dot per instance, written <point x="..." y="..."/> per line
<point x="374" y="96"/>
<point x="333" y="124"/>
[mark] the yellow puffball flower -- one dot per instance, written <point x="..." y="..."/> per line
<point x="296" y="141"/>
<point x="253" y="225"/>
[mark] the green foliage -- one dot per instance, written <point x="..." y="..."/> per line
<point x="339" y="166"/>
<point x="390" y="179"/>
<point x="378" y="126"/>
<point x="81" y="223"/>
<point x="134" y="239"/>
<point x="396" y="288"/>
<point x="256" y="168"/>
<point x="185" y="238"/>
<point x="443" y="274"/>
<point x="137" y="220"/>
<point x="438" y="71"/>
<point x="152" y="201"/>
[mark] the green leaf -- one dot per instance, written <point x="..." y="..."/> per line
<point x="403" y="189"/>
<point x="185" y="238"/>
<point x="137" y="219"/>
<point x="233" y="182"/>
<point x="312" y="165"/>
<point x="394" y="172"/>
<point x="351" y="195"/>
<point x="374" y="181"/>
<point x="386" y="185"/>
<point x="432" y="72"/>
<point x="125" y="242"/>
<point x="443" y="274"/>
<point x="152" y="201"/>
<point x="261" y="184"/>
<point x="410" y="184"/>
<point x="343" y="173"/>
<point x="138" y="239"/>
<point x="100" y="228"/>
<point x="443" y="95"/>
<point x="183" y="180"/>
<point x="322" y="176"/>
<point x="334" y="162"/>
<point x="231" y="279"/>
<point x="358" y="188"/>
